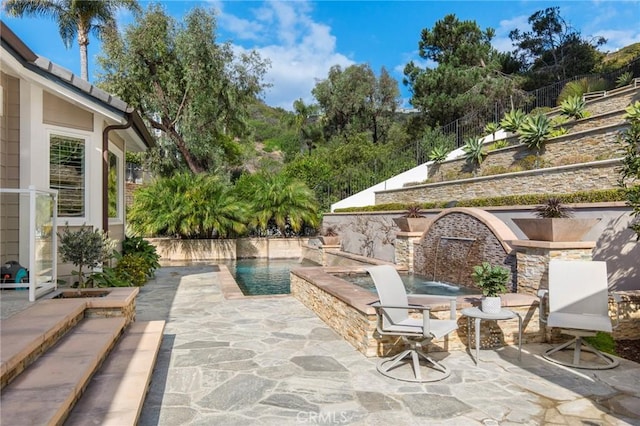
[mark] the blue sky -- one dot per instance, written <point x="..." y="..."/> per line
<point x="303" y="39"/>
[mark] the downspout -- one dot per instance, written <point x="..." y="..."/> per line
<point x="105" y="168"/>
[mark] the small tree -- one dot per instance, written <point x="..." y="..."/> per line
<point x="630" y="170"/>
<point x="85" y="248"/>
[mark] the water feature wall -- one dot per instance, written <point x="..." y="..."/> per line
<point x="460" y="238"/>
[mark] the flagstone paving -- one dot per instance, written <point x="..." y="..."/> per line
<point x="271" y="361"/>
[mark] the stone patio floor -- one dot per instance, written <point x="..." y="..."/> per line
<point x="271" y="361"/>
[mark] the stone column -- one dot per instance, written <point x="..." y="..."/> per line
<point x="533" y="259"/>
<point x="404" y="248"/>
<point x="323" y="250"/>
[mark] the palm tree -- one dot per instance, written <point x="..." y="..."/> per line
<point x="279" y="199"/>
<point x="75" y="18"/>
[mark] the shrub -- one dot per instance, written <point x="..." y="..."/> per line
<point x="629" y="140"/>
<point x="107" y="278"/>
<point x="580" y="87"/>
<point x="132" y="268"/>
<point x="495" y="170"/>
<point x="558" y="131"/>
<point x="531" y="162"/>
<point x="498" y="145"/>
<point x="143" y="249"/>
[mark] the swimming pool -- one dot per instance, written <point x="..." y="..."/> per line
<point x="414" y="284"/>
<point x="264" y="276"/>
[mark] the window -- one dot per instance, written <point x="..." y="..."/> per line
<point x="115" y="183"/>
<point x="67" y="174"/>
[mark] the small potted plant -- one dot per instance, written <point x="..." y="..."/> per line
<point x="413" y="220"/>
<point x="554" y="222"/>
<point x="330" y="237"/>
<point x="493" y="282"/>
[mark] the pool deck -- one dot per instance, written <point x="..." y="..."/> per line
<point x="272" y="361"/>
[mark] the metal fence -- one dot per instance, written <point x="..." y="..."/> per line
<point x="471" y="125"/>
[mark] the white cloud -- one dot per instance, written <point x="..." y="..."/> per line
<point x="501" y="41"/>
<point x="617" y="39"/>
<point x="300" y="50"/>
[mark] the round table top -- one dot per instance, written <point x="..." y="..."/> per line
<point x="476" y="312"/>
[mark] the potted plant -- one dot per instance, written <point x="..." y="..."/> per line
<point x="330" y="237"/>
<point x="493" y="282"/>
<point x="413" y="220"/>
<point x="554" y="222"/>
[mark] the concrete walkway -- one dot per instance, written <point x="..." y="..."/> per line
<point x="271" y="361"/>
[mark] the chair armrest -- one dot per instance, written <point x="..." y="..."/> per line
<point x="377" y="305"/>
<point x="543" y="294"/>
<point x="451" y="299"/>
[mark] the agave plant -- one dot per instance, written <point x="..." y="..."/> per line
<point x="534" y="131"/>
<point x="574" y="107"/>
<point x="624" y="79"/>
<point x="491" y="129"/>
<point x="633" y="113"/>
<point x="512" y="120"/>
<point x="474" y="153"/>
<point x="438" y="154"/>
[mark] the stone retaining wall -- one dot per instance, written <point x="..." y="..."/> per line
<point x="333" y="300"/>
<point x="574" y="148"/>
<point x="564" y="179"/>
<point x="171" y="249"/>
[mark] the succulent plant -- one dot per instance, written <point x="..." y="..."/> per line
<point x="553" y="208"/>
<point x="624" y="79"/>
<point x="413" y="211"/>
<point x="438" y="154"/>
<point x="574" y="107"/>
<point x="474" y="152"/>
<point x="534" y="131"/>
<point x="512" y="120"/>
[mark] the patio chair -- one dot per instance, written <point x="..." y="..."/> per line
<point x="578" y="302"/>
<point x="393" y="319"/>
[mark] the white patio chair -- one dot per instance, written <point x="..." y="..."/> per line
<point x="578" y="303"/>
<point x="393" y="320"/>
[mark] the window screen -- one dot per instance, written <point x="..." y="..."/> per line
<point x="67" y="174"/>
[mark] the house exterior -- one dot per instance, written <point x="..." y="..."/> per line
<point x="59" y="132"/>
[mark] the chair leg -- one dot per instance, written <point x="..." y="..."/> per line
<point x="386" y="366"/>
<point x="580" y="346"/>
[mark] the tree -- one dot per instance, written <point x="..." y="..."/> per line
<point x="553" y="50"/>
<point x="468" y="76"/>
<point x="301" y="121"/>
<point x="188" y="206"/>
<point x="354" y="100"/>
<point x="192" y="89"/>
<point x="629" y="140"/>
<point x="75" y="18"/>
<point x="278" y="199"/>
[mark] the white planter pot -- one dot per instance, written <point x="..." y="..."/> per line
<point x="491" y="305"/>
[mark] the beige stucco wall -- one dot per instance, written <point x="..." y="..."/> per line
<point x="59" y="112"/>
<point x="9" y="166"/>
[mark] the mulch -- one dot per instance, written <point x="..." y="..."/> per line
<point x="628" y="349"/>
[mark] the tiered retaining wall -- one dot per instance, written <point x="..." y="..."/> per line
<point x="563" y="179"/>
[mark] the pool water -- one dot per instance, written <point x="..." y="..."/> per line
<point x="265" y="276"/>
<point x="415" y="284"/>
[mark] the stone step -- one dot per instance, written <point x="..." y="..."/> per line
<point x="29" y="333"/>
<point x="117" y="391"/>
<point x="45" y="392"/>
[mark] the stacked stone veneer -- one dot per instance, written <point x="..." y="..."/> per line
<point x="564" y="179"/>
<point x="533" y="259"/>
<point x="459" y="239"/>
<point x="405" y="249"/>
<point x="356" y="322"/>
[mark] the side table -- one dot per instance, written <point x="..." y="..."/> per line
<point x="478" y="315"/>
